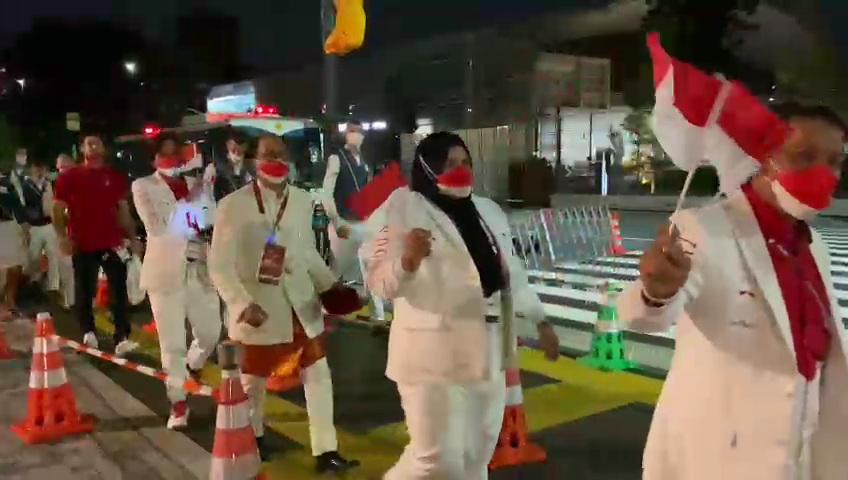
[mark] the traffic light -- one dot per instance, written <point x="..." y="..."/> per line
<point x="349" y="32"/>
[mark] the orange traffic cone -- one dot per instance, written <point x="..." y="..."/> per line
<point x="5" y="353"/>
<point x="617" y="247"/>
<point x="514" y="448"/>
<point x="234" y="452"/>
<point x="286" y="376"/>
<point x="101" y="300"/>
<point x="151" y="328"/>
<point x="51" y="404"/>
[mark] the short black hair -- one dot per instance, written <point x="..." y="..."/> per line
<point x="354" y="121"/>
<point x="38" y="162"/>
<point x="789" y="110"/>
<point x="93" y="133"/>
<point x="166" y="137"/>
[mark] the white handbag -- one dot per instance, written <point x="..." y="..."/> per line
<point x="134" y="292"/>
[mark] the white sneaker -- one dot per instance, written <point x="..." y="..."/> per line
<point x="179" y="416"/>
<point x="90" y="340"/>
<point x="125" y="347"/>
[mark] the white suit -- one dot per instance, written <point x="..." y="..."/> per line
<point x="447" y="361"/>
<point x="733" y="405"/>
<point x="241" y="233"/>
<point x="178" y="288"/>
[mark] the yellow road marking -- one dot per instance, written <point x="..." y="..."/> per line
<point x="582" y="392"/>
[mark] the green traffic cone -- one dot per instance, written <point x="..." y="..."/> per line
<point x="607" y="350"/>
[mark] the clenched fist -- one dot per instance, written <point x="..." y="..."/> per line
<point x="253" y="315"/>
<point x="417" y="246"/>
<point x="664" y="267"/>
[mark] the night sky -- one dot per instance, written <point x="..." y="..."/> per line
<point x="269" y="26"/>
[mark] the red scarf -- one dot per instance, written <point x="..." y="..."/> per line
<point x="178" y="186"/>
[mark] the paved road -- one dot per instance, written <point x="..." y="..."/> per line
<point x="592" y="424"/>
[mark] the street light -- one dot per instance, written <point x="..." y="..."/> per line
<point x="131" y="67"/>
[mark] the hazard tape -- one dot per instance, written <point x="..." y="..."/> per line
<point x="189" y="385"/>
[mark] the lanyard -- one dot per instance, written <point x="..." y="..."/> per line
<point x="261" y="206"/>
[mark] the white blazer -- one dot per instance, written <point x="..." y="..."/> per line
<point x="732" y="402"/>
<point x="439" y="332"/>
<point x="240" y="236"/>
<point x="168" y="232"/>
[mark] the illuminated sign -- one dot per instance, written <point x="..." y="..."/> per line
<point x="232" y="98"/>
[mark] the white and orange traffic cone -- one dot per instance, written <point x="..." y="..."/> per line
<point x="151" y="328"/>
<point x="617" y="246"/>
<point x="235" y="455"/>
<point x="101" y="300"/>
<point x="514" y="447"/>
<point x="51" y="405"/>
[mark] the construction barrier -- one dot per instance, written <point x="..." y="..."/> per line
<point x="235" y="455"/>
<point x="514" y="446"/>
<point x="51" y="404"/>
<point x="607" y="349"/>
<point x="189" y="385"/>
<point x="549" y="238"/>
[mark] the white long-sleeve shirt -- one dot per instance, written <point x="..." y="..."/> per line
<point x="334" y="166"/>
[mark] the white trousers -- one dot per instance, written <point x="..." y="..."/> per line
<point x="196" y="300"/>
<point x="318" y="390"/>
<point x="453" y="429"/>
<point x="349" y="266"/>
<point x="66" y="278"/>
<point x="43" y="240"/>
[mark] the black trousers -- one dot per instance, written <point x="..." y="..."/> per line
<point x="86" y="269"/>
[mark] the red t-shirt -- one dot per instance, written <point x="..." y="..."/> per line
<point x="92" y="195"/>
<point x="804" y="292"/>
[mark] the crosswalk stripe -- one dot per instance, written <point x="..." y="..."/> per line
<point x="573" y="283"/>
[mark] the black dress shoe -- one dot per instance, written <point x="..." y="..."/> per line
<point x="264" y="450"/>
<point x="334" y="463"/>
<point x="195" y="375"/>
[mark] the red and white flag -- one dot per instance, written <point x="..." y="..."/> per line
<point x="377" y="191"/>
<point x="704" y="118"/>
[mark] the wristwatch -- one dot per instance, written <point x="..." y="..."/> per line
<point x="653" y="302"/>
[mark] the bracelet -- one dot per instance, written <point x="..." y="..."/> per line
<point x="654" y="302"/>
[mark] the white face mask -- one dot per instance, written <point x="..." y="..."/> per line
<point x="354" y="139"/>
<point x="169" y="172"/>
<point x="455" y="192"/>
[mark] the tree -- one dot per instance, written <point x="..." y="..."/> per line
<point x="702" y="33"/>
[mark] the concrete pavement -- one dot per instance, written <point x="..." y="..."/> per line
<point x="130" y="442"/>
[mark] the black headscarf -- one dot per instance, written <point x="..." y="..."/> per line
<point x="433" y="151"/>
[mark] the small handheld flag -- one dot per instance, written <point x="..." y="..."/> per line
<point x="700" y="118"/>
<point x="364" y="202"/>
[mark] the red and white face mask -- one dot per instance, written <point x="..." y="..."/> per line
<point x="272" y="171"/>
<point x="806" y="192"/>
<point x="169" y="165"/>
<point x="455" y="182"/>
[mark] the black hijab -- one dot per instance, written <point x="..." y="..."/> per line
<point x="433" y="151"/>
